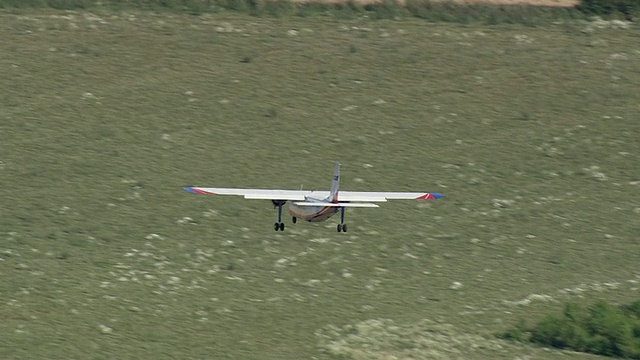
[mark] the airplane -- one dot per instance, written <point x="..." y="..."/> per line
<point x="316" y="206"/>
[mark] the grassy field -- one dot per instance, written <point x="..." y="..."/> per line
<point x="531" y="132"/>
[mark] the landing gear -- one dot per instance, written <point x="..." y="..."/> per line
<point x="342" y="227"/>
<point x="294" y="219"/>
<point x="279" y="225"/>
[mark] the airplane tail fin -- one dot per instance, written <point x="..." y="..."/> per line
<point x="335" y="185"/>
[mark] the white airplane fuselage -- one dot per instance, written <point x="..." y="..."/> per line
<point x="312" y="213"/>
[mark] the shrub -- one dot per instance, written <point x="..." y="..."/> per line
<point x="386" y="9"/>
<point x="634" y="309"/>
<point x="600" y="329"/>
<point x="22" y="3"/>
<point x="243" y="6"/>
<point x="70" y="4"/>
<point x="625" y="8"/>
<point x="275" y="8"/>
<point x="314" y="8"/>
<point x="560" y="332"/>
<point x="347" y="10"/>
<point x="519" y="333"/>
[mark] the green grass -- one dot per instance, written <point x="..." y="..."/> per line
<point x="532" y="134"/>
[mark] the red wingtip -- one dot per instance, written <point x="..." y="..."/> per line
<point x="197" y="191"/>
<point x="430" y="196"/>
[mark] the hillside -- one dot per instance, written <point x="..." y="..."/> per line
<point x="530" y="132"/>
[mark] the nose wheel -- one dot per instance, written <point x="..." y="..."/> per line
<point x="279" y="225"/>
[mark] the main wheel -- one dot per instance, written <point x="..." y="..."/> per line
<point x="344" y="227"/>
<point x="294" y="219"/>
<point x="339" y="227"/>
<point x="276" y="226"/>
<point x="281" y="226"/>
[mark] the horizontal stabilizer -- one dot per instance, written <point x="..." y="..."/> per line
<point x="328" y="204"/>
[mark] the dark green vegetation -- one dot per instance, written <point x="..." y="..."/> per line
<point x="626" y="8"/>
<point x="600" y="329"/>
<point x="441" y="11"/>
<point x="532" y="134"/>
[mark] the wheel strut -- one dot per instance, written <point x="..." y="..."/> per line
<point x="342" y="227"/>
<point x="279" y="225"/>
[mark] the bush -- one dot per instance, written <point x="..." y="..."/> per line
<point x="600" y="329"/>
<point x="626" y="8"/>
<point x="22" y="3"/>
<point x="311" y="9"/>
<point x="275" y="8"/>
<point x="386" y="9"/>
<point x="634" y="309"/>
<point x="560" y="332"/>
<point x="70" y="4"/>
<point x="519" y="333"/>
<point x="490" y="14"/>
<point x="243" y="6"/>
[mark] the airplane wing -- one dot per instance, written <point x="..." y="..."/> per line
<point x="384" y="196"/>
<point x="301" y="195"/>
<point x="264" y="194"/>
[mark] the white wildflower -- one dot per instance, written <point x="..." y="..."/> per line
<point x="105" y="329"/>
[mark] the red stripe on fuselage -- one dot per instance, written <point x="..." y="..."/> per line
<point x="322" y="215"/>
